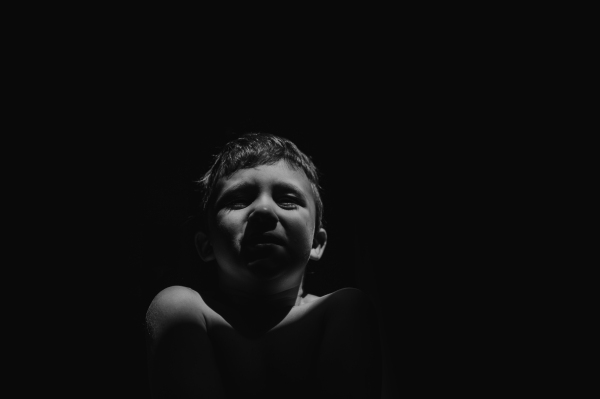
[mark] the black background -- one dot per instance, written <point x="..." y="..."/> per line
<point x="415" y="211"/>
<point x="425" y="179"/>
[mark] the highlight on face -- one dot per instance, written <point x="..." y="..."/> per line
<point x="262" y="224"/>
<point x="252" y="150"/>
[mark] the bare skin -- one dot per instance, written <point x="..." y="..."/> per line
<point x="322" y="347"/>
<point x="257" y="336"/>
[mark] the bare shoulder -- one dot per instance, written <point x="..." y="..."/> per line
<point x="345" y="300"/>
<point x="349" y="296"/>
<point x="309" y="298"/>
<point x="176" y="299"/>
<point x="172" y="305"/>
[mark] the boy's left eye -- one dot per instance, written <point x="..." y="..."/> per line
<point x="288" y="202"/>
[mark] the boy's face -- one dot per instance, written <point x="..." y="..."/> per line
<point x="262" y="224"/>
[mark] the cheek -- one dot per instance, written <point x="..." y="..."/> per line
<point x="303" y="230"/>
<point x="227" y="227"/>
<point x="309" y="231"/>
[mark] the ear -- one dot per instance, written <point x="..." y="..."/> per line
<point x="319" y="243"/>
<point x="203" y="246"/>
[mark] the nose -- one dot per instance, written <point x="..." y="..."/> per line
<point x="264" y="215"/>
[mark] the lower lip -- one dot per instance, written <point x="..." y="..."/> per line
<point x="262" y="245"/>
<point x="261" y="249"/>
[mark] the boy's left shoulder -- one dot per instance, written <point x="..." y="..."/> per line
<point x="349" y="308"/>
<point x="348" y="300"/>
<point x="350" y="295"/>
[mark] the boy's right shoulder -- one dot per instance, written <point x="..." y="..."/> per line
<point x="176" y="304"/>
<point x="176" y="296"/>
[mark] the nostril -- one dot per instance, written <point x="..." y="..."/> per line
<point x="263" y="215"/>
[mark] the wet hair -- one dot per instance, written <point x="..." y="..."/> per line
<point x="256" y="149"/>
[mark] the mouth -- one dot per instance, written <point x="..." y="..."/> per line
<point x="263" y="240"/>
<point x="259" y="247"/>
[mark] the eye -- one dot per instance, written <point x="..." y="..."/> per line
<point x="288" y="202"/>
<point x="237" y="203"/>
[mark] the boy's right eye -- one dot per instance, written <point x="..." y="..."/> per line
<point x="237" y="205"/>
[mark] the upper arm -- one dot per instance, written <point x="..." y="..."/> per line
<point x="180" y="356"/>
<point x="173" y="306"/>
<point x="172" y="312"/>
<point x="350" y="358"/>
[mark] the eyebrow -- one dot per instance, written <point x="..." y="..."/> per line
<point x="290" y="187"/>
<point x="241" y="186"/>
<point x="247" y="186"/>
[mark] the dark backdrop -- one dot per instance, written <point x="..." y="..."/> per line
<point x="178" y="150"/>
<point x="413" y="210"/>
<point x="419" y="193"/>
<point x="423" y="135"/>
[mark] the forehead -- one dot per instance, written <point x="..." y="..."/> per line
<point x="278" y="174"/>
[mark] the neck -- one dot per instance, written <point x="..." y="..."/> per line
<point x="239" y="298"/>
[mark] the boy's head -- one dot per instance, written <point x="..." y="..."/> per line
<point x="255" y="149"/>
<point x="262" y="211"/>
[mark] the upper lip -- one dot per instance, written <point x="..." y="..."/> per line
<point x="265" y="238"/>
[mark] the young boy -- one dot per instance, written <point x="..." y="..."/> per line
<point x="258" y="335"/>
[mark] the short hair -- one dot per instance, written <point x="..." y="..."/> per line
<point x="254" y="149"/>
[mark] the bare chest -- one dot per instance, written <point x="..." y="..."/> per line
<point x="281" y="354"/>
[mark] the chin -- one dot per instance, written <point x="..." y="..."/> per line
<point x="265" y="269"/>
